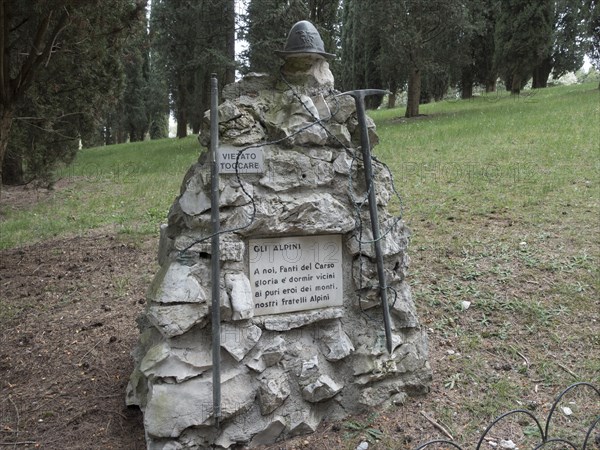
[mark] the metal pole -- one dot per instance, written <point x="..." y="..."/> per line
<point x="215" y="251"/>
<point x="361" y="114"/>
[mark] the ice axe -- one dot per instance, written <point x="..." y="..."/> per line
<point x="359" y="98"/>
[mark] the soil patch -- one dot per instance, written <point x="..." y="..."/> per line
<point x="23" y="197"/>
<point x="68" y="309"/>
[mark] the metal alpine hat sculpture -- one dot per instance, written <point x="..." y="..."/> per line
<point x="304" y="38"/>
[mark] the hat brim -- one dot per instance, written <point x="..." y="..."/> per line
<point x="284" y="54"/>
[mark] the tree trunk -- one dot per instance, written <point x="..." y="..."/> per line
<point x="466" y="84"/>
<point x="393" y="96"/>
<point x="181" y="124"/>
<point x="466" y="91"/>
<point x="12" y="169"/>
<point x="414" y="93"/>
<point x="392" y="100"/>
<point x="133" y="137"/>
<point x="230" y="43"/>
<point x="121" y="136"/>
<point x="490" y="86"/>
<point x="108" y="136"/>
<point x="373" y="101"/>
<point x="515" y="85"/>
<point x="541" y="74"/>
<point x="6" y="119"/>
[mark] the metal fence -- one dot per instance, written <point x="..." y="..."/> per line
<point x="573" y="422"/>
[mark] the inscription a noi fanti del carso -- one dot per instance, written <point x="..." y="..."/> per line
<point x="295" y="273"/>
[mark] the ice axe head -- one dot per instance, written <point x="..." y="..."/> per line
<point x="359" y="100"/>
<point x="360" y="94"/>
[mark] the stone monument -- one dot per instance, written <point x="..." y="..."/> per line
<point x="302" y="335"/>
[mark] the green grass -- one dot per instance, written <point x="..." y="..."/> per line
<point x="128" y="188"/>
<point x="494" y="152"/>
<point x="503" y="198"/>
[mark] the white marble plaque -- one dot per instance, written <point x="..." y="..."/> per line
<point x="295" y="273"/>
<point x="250" y="161"/>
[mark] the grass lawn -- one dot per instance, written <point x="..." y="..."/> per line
<point x="503" y="197"/>
<point x="125" y="187"/>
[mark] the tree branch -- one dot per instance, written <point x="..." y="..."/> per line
<point x="52" y="44"/>
<point x="36" y="57"/>
<point x="434" y="28"/>
<point x="4" y="75"/>
<point x="33" y="52"/>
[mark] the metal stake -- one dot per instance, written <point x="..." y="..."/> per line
<point x="215" y="251"/>
<point x="359" y="99"/>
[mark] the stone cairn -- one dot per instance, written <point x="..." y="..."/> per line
<point x="302" y="335"/>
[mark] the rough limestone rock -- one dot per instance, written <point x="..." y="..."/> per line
<point x="162" y="362"/>
<point x="267" y="354"/>
<point x="291" y="169"/>
<point x="173" y="320"/>
<point x="282" y="373"/>
<point x="284" y="322"/>
<point x="239" y="339"/>
<point x="240" y="294"/>
<point x="272" y="392"/>
<point x="270" y="433"/>
<point x="335" y="343"/>
<point x="172" y="408"/>
<point x="175" y="283"/>
<point x="322" y="389"/>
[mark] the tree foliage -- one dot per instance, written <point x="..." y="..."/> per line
<point x="143" y="105"/>
<point x="361" y="40"/>
<point x="192" y="40"/>
<point x="476" y="46"/>
<point x="593" y="32"/>
<point x="405" y="40"/>
<point x="523" y="38"/>
<point x="568" y="42"/>
<point x="60" y="69"/>
<point x="269" y="21"/>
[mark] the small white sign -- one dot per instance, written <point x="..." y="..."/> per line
<point x="295" y="273"/>
<point x="249" y="161"/>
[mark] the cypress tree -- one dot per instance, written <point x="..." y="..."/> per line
<point x="193" y="40"/>
<point x="363" y="49"/>
<point x="568" y="42"/>
<point x="424" y="30"/>
<point x="523" y="38"/>
<point x="268" y="23"/>
<point x="62" y="67"/>
<point x="476" y="47"/>
<point x="593" y="33"/>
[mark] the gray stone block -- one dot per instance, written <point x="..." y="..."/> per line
<point x="239" y="338"/>
<point x="175" y="319"/>
<point x="285" y="322"/>
<point x="172" y="408"/>
<point x="240" y="294"/>
<point x="273" y="389"/>
<point x="174" y="283"/>
<point x="322" y="389"/>
<point x="270" y="433"/>
<point x="334" y="341"/>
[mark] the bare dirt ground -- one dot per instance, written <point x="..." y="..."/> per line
<point x="64" y="356"/>
<point x="68" y="311"/>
